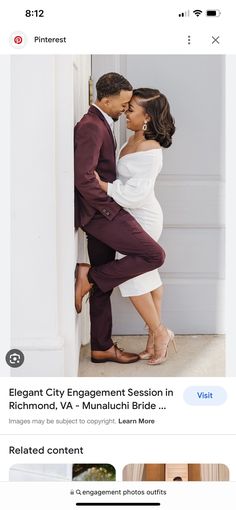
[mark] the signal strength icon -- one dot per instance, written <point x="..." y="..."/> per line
<point x="183" y="14"/>
<point x="197" y="12"/>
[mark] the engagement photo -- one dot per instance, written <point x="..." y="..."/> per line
<point x="118" y="215"/>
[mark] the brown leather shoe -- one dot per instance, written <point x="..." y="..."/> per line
<point x="82" y="285"/>
<point x="114" y="354"/>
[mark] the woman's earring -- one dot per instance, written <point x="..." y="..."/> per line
<point x="145" y="125"/>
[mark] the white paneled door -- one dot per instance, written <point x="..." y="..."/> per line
<point x="190" y="189"/>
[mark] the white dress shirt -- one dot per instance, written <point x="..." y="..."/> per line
<point x="109" y="120"/>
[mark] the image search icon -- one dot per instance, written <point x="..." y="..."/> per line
<point x="15" y="358"/>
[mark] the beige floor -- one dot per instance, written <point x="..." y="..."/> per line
<point x="198" y="355"/>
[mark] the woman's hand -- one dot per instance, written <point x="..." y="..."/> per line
<point x="103" y="185"/>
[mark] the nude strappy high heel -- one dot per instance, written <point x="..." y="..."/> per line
<point x="161" y="347"/>
<point x="149" y="351"/>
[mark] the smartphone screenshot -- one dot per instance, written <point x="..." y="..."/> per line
<point x="118" y="255"/>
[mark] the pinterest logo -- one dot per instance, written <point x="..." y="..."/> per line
<point x="18" y="40"/>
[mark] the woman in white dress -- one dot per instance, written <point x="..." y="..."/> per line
<point x="139" y="163"/>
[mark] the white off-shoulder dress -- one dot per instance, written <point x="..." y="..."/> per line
<point x="134" y="190"/>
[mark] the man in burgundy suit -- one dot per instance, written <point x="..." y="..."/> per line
<point x="108" y="226"/>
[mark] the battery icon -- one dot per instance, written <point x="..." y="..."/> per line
<point x="215" y="13"/>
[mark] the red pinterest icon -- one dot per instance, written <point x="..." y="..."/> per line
<point x="18" y="39"/>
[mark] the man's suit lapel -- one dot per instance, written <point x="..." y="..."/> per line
<point x="99" y="114"/>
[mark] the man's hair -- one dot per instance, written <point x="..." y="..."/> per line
<point x="111" y="84"/>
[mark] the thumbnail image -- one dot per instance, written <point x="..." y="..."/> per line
<point x="62" y="472"/>
<point x="176" y="472"/>
<point x="94" y="473"/>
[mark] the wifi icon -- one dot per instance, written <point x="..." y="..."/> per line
<point x="197" y="12"/>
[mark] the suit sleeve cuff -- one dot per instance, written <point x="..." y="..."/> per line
<point x="109" y="189"/>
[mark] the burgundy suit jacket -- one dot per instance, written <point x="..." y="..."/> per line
<point x="94" y="150"/>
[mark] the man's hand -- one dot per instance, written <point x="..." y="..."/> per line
<point x="103" y="185"/>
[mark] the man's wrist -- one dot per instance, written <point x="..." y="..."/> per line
<point x="105" y="186"/>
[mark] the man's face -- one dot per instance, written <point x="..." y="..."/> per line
<point x="116" y="105"/>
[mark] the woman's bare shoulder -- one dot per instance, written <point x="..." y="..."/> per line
<point x="148" y="145"/>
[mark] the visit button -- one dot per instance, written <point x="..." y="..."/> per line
<point x="205" y="395"/>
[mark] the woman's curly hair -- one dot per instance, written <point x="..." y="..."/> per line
<point x="161" y="125"/>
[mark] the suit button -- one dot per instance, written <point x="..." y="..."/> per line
<point x="107" y="213"/>
<point x="104" y="211"/>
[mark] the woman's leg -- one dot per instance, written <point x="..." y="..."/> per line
<point x="157" y="296"/>
<point x="159" y="340"/>
<point x="145" y="306"/>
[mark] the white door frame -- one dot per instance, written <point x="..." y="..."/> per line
<point x="44" y="322"/>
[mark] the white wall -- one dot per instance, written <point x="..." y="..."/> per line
<point x="43" y="317"/>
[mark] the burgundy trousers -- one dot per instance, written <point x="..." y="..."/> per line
<point x="143" y="254"/>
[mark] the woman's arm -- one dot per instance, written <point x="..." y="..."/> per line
<point x="132" y="194"/>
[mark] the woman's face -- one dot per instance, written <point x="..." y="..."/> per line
<point x="136" y="115"/>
